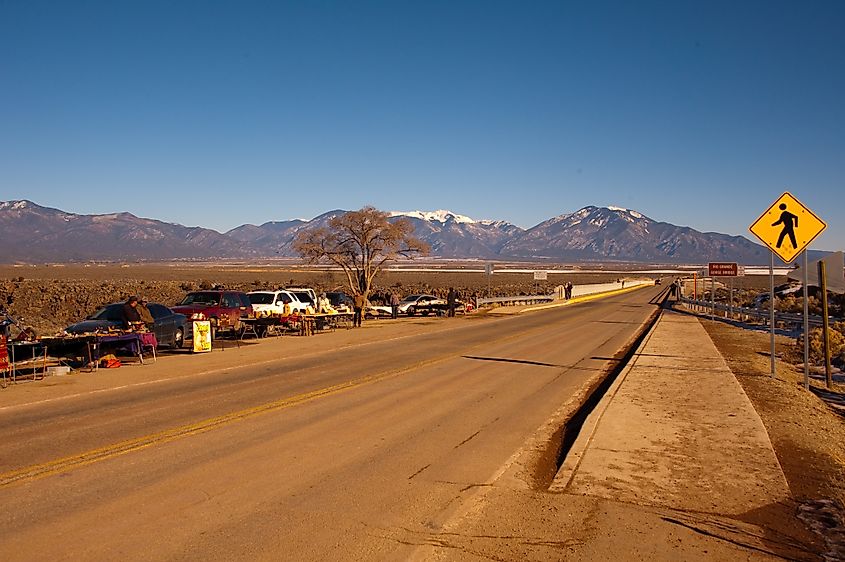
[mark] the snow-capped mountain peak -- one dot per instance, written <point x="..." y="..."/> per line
<point x="634" y="214"/>
<point x="441" y="216"/>
<point x="14" y="205"/>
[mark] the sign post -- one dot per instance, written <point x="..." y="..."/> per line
<point x="787" y="227"/>
<point x="539" y="275"/>
<point x="488" y="270"/>
<point x="806" y="328"/>
<point x="828" y="375"/>
<point x="721" y="269"/>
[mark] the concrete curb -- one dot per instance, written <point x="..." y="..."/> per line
<point x="576" y="452"/>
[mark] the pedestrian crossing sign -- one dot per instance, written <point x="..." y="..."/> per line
<point x="787" y="227"/>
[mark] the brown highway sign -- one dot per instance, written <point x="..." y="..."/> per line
<point x="723" y="269"/>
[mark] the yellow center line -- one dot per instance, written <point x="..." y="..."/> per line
<point x="130" y="445"/>
<point x="585" y="298"/>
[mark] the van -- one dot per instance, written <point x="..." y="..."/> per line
<point x="305" y="295"/>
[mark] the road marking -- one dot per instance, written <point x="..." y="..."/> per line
<point x="584" y="298"/>
<point x="66" y="464"/>
<point x="123" y="447"/>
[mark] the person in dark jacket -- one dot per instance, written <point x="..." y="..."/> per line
<point x="131" y="314"/>
<point x="452" y="301"/>
<point x="359" y="303"/>
<point x="146" y="316"/>
<point x="394" y="305"/>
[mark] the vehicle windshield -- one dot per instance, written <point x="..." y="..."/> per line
<point x="261" y="298"/>
<point x="303" y="296"/>
<point x="411" y="298"/>
<point x="111" y="312"/>
<point x="336" y="298"/>
<point x="201" y="298"/>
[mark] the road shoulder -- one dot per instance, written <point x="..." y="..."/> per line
<point x="678" y="465"/>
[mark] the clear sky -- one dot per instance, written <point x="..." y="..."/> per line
<point x="222" y="113"/>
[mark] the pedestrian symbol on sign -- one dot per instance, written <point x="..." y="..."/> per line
<point x="790" y="223"/>
<point x="780" y="229"/>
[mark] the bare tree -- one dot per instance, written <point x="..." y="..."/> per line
<point x="360" y="243"/>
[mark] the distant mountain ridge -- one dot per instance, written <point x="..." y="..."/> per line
<point x="32" y="234"/>
<point x="622" y="234"/>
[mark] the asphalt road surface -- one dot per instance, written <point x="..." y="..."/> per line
<point x="353" y="456"/>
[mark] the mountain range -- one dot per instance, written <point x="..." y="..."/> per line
<point x="31" y="233"/>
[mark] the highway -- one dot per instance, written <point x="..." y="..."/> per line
<point x="353" y="455"/>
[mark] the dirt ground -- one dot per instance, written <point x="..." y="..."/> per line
<point x="808" y="435"/>
<point x="51" y="297"/>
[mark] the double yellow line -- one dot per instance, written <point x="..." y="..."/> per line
<point x="123" y="447"/>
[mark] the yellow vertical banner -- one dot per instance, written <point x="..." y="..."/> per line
<point x="202" y="336"/>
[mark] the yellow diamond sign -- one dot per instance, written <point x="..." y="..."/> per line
<point x="787" y="227"/>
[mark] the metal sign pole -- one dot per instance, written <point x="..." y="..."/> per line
<point x="695" y="285"/>
<point x="712" y="298"/>
<point x="731" y="302"/>
<point x="772" y="311"/>
<point x="806" y="328"/>
<point x="825" y="324"/>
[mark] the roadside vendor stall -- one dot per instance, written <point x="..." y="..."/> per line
<point x="88" y="349"/>
<point x="21" y="359"/>
<point x="303" y="324"/>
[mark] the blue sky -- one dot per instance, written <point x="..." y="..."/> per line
<point x="222" y="113"/>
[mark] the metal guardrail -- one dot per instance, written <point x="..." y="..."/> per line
<point x="757" y="313"/>
<point x="578" y="291"/>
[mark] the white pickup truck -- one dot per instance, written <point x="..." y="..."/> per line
<point x="273" y="302"/>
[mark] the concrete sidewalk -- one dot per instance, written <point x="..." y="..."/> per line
<point x="676" y="430"/>
<point x="673" y="464"/>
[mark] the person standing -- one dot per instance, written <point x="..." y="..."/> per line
<point x="130" y="313"/>
<point x="358" y="305"/>
<point x="451" y="301"/>
<point x="144" y="312"/>
<point x="394" y="304"/>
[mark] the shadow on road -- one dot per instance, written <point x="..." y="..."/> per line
<point x="521" y="361"/>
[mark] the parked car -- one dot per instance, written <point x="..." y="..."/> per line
<point x="224" y="309"/>
<point x="428" y="304"/>
<point x="421" y="304"/>
<point x="169" y="327"/>
<point x="340" y="301"/>
<point x="273" y="302"/>
<point x="378" y="311"/>
<point x="305" y="295"/>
